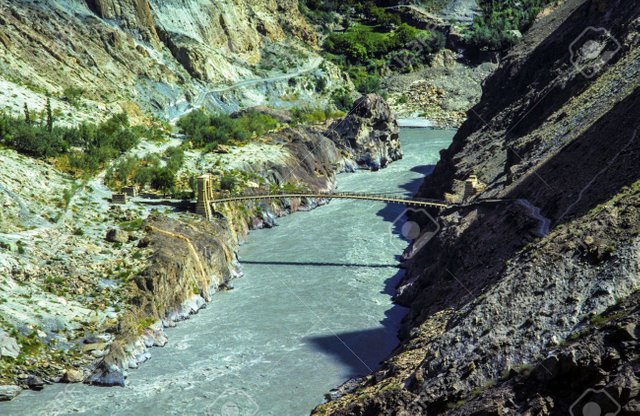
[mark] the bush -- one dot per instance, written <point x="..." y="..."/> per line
<point x="321" y="84"/>
<point x="73" y="95"/>
<point x="163" y="179"/>
<point x="359" y="43"/>
<point x="143" y="176"/>
<point x="175" y="158"/>
<point x="342" y="100"/>
<point x="228" y="182"/>
<point x="84" y="149"/>
<point x="492" y="28"/>
<point x="313" y="115"/>
<point x="210" y="130"/>
<point x="365" y="53"/>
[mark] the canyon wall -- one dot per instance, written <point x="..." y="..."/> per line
<point x="163" y="56"/>
<point x="523" y="305"/>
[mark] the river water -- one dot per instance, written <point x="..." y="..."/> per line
<point x="312" y="310"/>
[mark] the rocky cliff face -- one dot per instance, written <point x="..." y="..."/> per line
<point x="370" y="132"/>
<point x="512" y="304"/>
<point x="162" y="55"/>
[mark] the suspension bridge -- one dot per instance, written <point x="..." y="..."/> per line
<point x="388" y="198"/>
<point x="208" y="198"/>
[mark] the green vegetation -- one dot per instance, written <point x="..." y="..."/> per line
<point x="228" y="182"/>
<point x="210" y="130"/>
<point x="81" y="150"/>
<point x="287" y="188"/>
<point x="494" y="28"/>
<point x="342" y="100"/>
<point x="73" y="95"/>
<point x="133" y="225"/>
<point x="306" y="115"/>
<point x="376" y="40"/>
<point x="365" y="52"/>
<point x="147" y="171"/>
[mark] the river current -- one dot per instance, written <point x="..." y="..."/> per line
<point x="312" y="310"/>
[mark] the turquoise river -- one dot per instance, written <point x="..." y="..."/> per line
<point x="312" y="310"/>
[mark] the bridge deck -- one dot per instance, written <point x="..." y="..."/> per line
<point x="416" y="202"/>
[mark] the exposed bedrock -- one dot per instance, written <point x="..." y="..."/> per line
<point x="370" y="132"/>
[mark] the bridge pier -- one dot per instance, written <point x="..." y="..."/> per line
<point x="204" y="195"/>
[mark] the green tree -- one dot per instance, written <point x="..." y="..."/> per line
<point x="49" y="115"/>
<point x="143" y="176"/>
<point x="27" y="115"/>
<point x="227" y="182"/>
<point x="163" y="180"/>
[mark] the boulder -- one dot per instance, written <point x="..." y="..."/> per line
<point x="116" y="235"/>
<point x="370" y="132"/>
<point x="9" y="392"/>
<point x="34" y="382"/>
<point x="72" y="376"/>
<point x="8" y="345"/>
<point x="105" y="378"/>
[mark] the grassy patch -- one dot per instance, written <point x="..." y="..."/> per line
<point x="133" y="225"/>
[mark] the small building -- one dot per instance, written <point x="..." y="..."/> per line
<point x="472" y="187"/>
<point x="119" y="199"/>
<point x="131" y="191"/>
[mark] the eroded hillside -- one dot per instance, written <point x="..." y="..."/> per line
<point x="163" y="56"/>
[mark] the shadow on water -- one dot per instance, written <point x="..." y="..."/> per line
<point x="362" y="352"/>
<point x="321" y="264"/>
<point x="396" y="214"/>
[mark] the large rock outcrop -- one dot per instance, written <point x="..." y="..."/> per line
<point x="370" y="132"/>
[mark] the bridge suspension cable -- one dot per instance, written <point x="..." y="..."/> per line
<point x="416" y="202"/>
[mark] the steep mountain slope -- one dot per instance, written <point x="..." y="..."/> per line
<point x="159" y="54"/>
<point x="507" y="301"/>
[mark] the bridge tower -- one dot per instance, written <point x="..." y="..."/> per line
<point x="472" y="187"/>
<point x="205" y="195"/>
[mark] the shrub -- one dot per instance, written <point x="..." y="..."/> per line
<point x="143" y="176"/>
<point x="492" y="28"/>
<point x="164" y="180"/>
<point x="342" y="100"/>
<point x="73" y="95"/>
<point x="321" y="84"/>
<point x="210" y="130"/>
<point x="303" y="115"/>
<point x="85" y="148"/>
<point x="175" y="158"/>
<point x="228" y="182"/>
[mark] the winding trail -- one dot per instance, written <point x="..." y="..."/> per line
<point x="544" y="223"/>
<point x="310" y="66"/>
